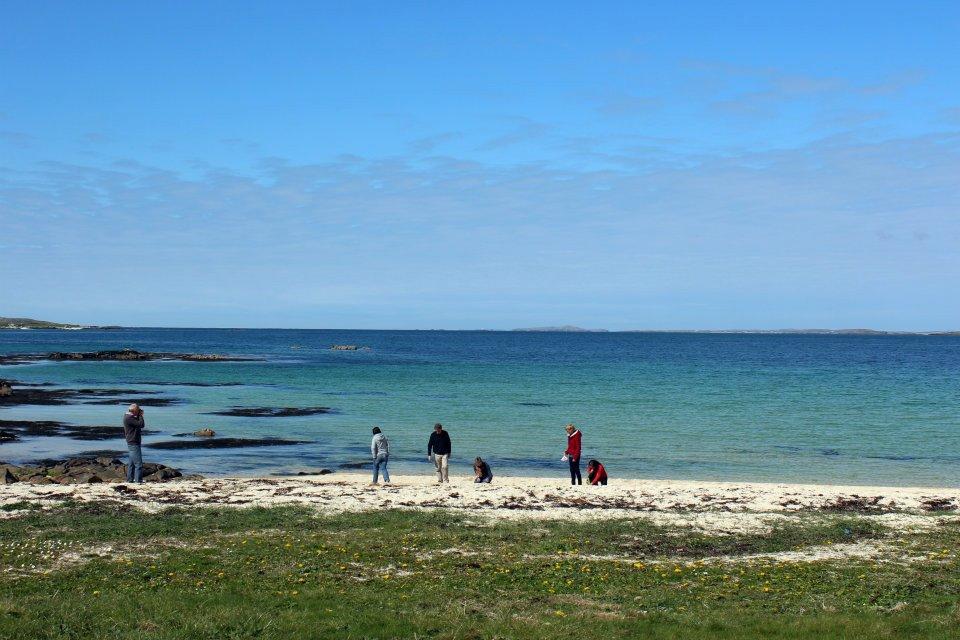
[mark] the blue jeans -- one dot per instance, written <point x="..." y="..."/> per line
<point x="135" y="465"/>
<point x="381" y="461"/>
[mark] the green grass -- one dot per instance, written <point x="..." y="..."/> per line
<point x="105" y="571"/>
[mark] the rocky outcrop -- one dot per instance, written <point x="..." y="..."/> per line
<point x="39" y="395"/>
<point x="271" y="412"/>
<point x="38" y="428"/>
<point x="205" y="433"/>
<point x="222" y="443"/>
<point x="120" y="355"/>
<point x="81" y="471"/>
<point x="6" y="389"/>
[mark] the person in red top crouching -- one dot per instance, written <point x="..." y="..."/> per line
<point x="572" y="453"/>
<point x="596" y="474"/>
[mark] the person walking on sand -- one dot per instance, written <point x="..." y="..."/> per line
<point x="132" y="433"/>
<point x="482" y="471"/>
<point x="596" y="474"/>
<point x="380" y="450"/>
<point x="438" y="450"/>
<point x="572" y="453"/>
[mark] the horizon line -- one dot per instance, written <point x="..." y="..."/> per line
<point x="811" y="331"/>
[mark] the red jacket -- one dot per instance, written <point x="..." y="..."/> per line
<point x="599" y="475"/>
<point x="573" y="445"/>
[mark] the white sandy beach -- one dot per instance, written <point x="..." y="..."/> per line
<point x="711" y="506"/>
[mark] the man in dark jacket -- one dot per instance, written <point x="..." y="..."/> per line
<point x="132" y="429"/>
<point x="438" y="450"/>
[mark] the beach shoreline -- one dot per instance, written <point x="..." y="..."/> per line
<point x="710" y="506"/>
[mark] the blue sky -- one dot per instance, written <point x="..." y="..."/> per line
<point x="481" y="165"/>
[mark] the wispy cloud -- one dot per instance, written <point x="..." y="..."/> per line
<point x="418" y="233"/>
<point x="524" y="130"/>
<point x="430" y="143"/>
<point x="625" y="104"/>
<point x="895" y="82"/>
<point x="762" y="91"/>
<point x="951" y="115"/>
<point x="17" y="139"/>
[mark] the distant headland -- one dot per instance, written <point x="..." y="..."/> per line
<point x="30" y="323"/>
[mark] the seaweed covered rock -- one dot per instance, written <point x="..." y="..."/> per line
<point x="82" y="471"/>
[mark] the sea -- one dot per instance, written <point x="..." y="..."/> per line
<point x="837" y="409"/>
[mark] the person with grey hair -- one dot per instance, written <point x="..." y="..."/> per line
<point x="380" y="450"/>
<point x="132" y="429"/>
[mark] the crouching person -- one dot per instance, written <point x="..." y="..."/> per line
<point x="482" y="471"/>
<point x="596" y="473"/>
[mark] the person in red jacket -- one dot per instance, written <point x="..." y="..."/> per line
<point x="572" y="453"/>
<point x="596" y="474"/>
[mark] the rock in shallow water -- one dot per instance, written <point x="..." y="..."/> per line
<point x="221" y="443"/>
<point x="119" y="355"/>
<point x="271" y="412"/>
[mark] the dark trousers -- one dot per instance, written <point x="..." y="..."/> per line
<point x="574" y="471"/>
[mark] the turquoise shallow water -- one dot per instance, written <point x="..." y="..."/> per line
<point x="807" y="408"/>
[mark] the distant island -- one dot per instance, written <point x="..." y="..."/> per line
<point x="567" y="328"/>
<point x="30" y="323"/>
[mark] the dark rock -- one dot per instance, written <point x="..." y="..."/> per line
<point x="116" y="455"/>
<point x="37" y="428"/>
<point x="8" y="436"/>
<point x="205" y="433"/>
<point x="6" y="389"/>
<point x="319" y="472"/>
<point x="119" y="355"/>
<point x="33" y="427"/>
<point x="167" y="383"/>
<point x="82" y="471"/>
<point x="160" y="475"/>
<point x="271" y="412"/>
<point x="222" y="443"/>
<point x="42" y="396"/>
<point x="143" y="402"/>
<point x="94" y="433"/>
<point x="87" y="477"/>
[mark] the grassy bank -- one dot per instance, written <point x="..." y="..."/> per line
<point x="103" y="570"/>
